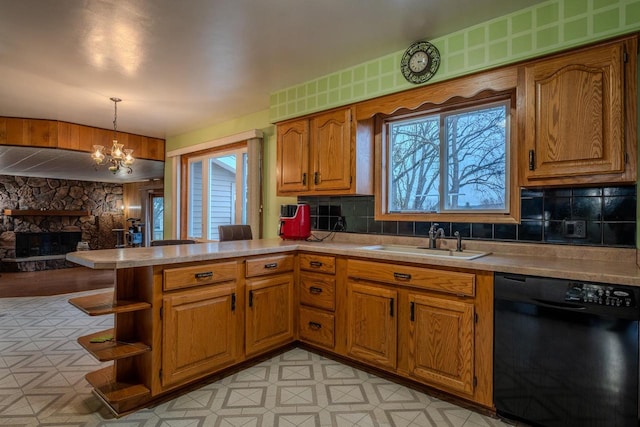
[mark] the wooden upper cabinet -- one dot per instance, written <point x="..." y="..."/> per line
<point x="293" y="157"/>
<point x="573" y="120"/>
<point x="331" y="157"/>
<point x="326" y="153"/>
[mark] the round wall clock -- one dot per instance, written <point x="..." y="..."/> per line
<point x="420" y="62"/>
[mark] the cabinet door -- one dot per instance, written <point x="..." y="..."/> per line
<point x="372" y="324"/>
<point x="269" y="314"/>
<point x="293" y="157"/>
<point x="574" y="115"/>
<point x="331" y="151"/>
<point x="441" y="342"/>
<point x="199" y="330"/>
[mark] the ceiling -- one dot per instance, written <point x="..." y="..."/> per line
<point x="184" y="65"/>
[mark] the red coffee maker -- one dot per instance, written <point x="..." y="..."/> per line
<point x="295" y="222"/>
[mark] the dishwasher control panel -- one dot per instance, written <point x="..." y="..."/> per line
<point x="608" y="295"/>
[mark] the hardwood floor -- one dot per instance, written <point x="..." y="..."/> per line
<point x="54" y="282"/>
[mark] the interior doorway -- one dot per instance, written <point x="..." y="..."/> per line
<point x="156" y="215"/>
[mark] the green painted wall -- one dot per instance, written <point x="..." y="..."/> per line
<point x="541" y="29"/>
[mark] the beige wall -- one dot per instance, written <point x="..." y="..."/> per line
<point x="260" y="121"/>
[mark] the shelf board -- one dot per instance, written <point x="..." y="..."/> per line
<point x="103" y="303"/>
<point x="120" y="396"/>
<point x="47" y="212"/>
<point x="111" y="350"/>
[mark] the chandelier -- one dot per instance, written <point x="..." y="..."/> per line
<point x="118" y="158"/>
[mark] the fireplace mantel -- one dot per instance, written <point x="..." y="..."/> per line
<point x="46" y="212"/>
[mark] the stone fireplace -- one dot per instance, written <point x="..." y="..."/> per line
<point x="43" y="219"/>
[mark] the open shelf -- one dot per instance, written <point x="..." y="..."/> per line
<point x="120" y="396"/>
<point x="111" y="349"/>
<point x="46" y="212"/>
<point x="103" y="303"/>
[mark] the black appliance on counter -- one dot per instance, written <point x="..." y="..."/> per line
<point x="566" y="352"/>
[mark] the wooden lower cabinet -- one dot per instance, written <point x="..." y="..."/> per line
<point x="317" y="327"/>
<point x="440" y="345"/>
<point x="199" y="332"/>
<point x="178" y="323"/>
<point x="269" y="318"/>
<point x="428" y="324"/>
<point x="372" y="324"/>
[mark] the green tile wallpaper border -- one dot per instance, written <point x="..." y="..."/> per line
<point x="538" y="30"/>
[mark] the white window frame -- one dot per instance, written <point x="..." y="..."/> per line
<point x="176" y="204"/>
<point x="238" y="213"/>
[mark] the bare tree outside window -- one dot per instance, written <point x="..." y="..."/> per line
<point x="454" y="161"/>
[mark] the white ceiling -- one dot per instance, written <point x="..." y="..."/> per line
<point x="184" y="65"/>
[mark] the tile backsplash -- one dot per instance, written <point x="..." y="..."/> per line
<point x="608" y="215"/>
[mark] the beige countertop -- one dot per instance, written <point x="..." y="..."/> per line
<point x="607" y="265"/>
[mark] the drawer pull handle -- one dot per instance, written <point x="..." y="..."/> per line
<point x="316" y="264"/>
<point x="250" y="298"/>
<point x="205" y="275"/>
<point x="402" y="276"/>
<point x="271" y="265"/>
<point x="315" y="290"/>
<point x="391" y="307"/>
<point x="233" y="301"/>
<point x="315" y="326"/>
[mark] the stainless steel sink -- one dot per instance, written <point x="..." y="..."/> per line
<point x="417" y="250"/>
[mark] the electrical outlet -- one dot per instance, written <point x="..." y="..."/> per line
<point x="576" y="229"/>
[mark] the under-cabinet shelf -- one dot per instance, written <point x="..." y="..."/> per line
<point x="120" y="396"/>
<point x="104" y="303"/>
<point x="47" y="212"/>
<point x="110" y="349"/>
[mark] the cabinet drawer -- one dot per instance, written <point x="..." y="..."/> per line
<point x="203" y="274"/>
<point x="269" y="265"/>
<point x="318" y="290"/>
<point x="419" y="277"/>
<point x="319" y="263"/>
<point x="317" y="327"/>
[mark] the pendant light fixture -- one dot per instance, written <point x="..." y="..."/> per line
<point x="119" y="158"/>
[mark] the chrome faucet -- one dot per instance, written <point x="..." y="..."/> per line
<point x="458" y="241"/>
<point x="434" y="234"/>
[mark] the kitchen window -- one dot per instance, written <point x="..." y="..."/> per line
<point x="450" y="163"/>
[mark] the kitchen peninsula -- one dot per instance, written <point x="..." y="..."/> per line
<point x="184" y="313"/>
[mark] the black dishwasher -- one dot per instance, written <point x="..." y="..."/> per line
<point x="566" y="352"/>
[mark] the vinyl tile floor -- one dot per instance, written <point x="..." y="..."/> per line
<point x="42" y="383"/>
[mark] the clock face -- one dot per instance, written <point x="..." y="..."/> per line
<point x="420" y="62"/>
